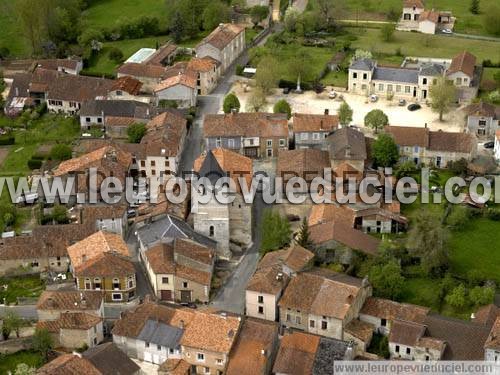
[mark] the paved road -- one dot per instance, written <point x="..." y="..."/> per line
<point x="25" y="311"/>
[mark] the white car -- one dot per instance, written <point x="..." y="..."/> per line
<point x="373" y="98"/>
<point x="332" y="94"/>
<point x="447" y="31"/>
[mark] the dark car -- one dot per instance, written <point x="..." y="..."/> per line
<point x="286" y="90"/>
<point x="191" y="305"/>
<point x="414" y="107"/>
<point x="489" y="144"/>
<point x="131" y="213"/>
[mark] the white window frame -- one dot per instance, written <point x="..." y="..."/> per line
<point x="200" y="357"/>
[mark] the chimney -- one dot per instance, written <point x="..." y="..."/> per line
<point x="348" y="151"/>
<point x="221" y="26"/>
<point x="279" y="276"/>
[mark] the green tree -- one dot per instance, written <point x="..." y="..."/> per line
<point x="42" y="342"/>
<point x="14" y="322"/>
<point x="442" y="95"/>
<point x="406" y="169"/>
<point x="385" y="151"/>
<point x="276" y="232"/>
<point x="304" y="236"/>
<point x="115" y="54"/>
<point x="458" y="217"/>
<point x="256" y="100"/>
<point x="327" y="11"/>
<point x="266" y="76"/>
<point x="458" y="297"/>
<point x="61" y="151"/>
<point x="135" y="132"/>
<point x="60" y="214"/>
<point x="258" y="13"/>
<point x="428" y="241"/>
<point x="214" y="14"/>
<point x="299" y="66"/>
<point x="387" y="32"/>
<point x="282" y="106"/>
<point x="386" y="279"/>
<point x="480" y="296"/>
<point x="24" y="369"/>
<point x="376" y="119"/>
<point x="474" y="6"/>
<point x="345" y="114"/>
<point x="292" y="17"/>
<point x="177" y="27"/>
<point x="231" y="102"/>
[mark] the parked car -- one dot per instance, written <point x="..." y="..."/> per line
<point x="332" y="94"/>
<point x="131" y="213"/>
<point x="489" y="144"/>
<point x="373" y="98"/>
<point x="191" y="305"/>
<point x="319" y="88"/>
<point x="402" y="102"/>
<point x="286" y="90"/>
<point x="447" y="31"/>
<point x="414" y="107"/>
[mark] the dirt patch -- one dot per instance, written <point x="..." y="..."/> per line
<point x="4" y="151"/>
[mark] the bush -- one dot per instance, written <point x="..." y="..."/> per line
<point x="61" y="152"/>
<point x="4" y="52"/>
<point x="231" y="102"/>
<point x="135" y="132"/>
<point x="282" y="106"/>
<point x="35" y="163"/>
<point x="165" y="103"/>
<point x="7" y="140"/>
<point x="239" y="69"/>
<point x="116" y="55"/>
<point x="458" y="217"/>
<point x="493" y="214"/>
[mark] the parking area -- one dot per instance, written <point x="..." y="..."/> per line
<point x="310" y="102"/>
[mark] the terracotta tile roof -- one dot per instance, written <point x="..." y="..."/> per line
<point x="77" y="88"/>
<point x="326" y="212"/>
<point x="70" y="320"/>
<point x="483" y="109"/>
<point x="344" y="234"/>
<point x="93" y="212"/>
<point x="55" y="64"/>
<point x="174" y="366"/>
<point x="465" y="62"/>
<point x="161" y="258"/>
<point x="270" y="280"/>
<point x="493" y="341"/>
<point x="409" y="136"/>
<point x="406" y="333"/>
<point x="116" y="121"/>
<point x="142" y="70"/>
<point x="193" y="274"/>
<point x="431" y="343"/>
<point x="161" y="54"/>
<point x="296" y="354"/>
<point x="106" y="265"/>
<point x="487" y="314"/>
<point x="70" y="300"/>
<point x="306" y="163"/>
<point x="246" y="358"/>
<point x="222" y="35"/>
<point x="429" y="15"/>
<point x="361" y="330"/>
<point x="316" y="294"/>
<point x="294" y="257"/>
<point x="246" y="124"/>
<point x="127" y="84"/>
<point x="204" y="64"/>
<point x="96" y="244"/>
<point x="346" y="171"/>
<point x="164" y="133"/>
<point x="194" y="250"/>
<point x="68" y="364"/>
<point x="312" y="123"/>
<point x="212" y="332"/>
<point x="391" y="310"/>
<point x="413" y="3"/>
<point x="180" y="79"/>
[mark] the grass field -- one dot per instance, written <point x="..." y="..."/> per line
<point x="26" y="286"/>
<point x="466" y="21"/>
<point x="415" y="44"/>
<point x="476" y="247"/>
<point x="9" y="362"/>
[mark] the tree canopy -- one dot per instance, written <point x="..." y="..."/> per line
<point x="442" y="94"/>
<point x="376" y="119"/>
<point x="385" y="151"/>
<point x="135" y="132"/>
<point x="282" y="106"/>
<point x="231" y="102"/>
<point x="345" y="114"/>
<point x="276" y="232"/>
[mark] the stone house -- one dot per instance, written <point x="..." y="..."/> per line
<point x="128" y="88"/>
<point x="96" y="112"/>
<point x="105" y="217"/>
<point x="435" y="148"/>
<point x="322" y="303"/>
<point x="69" y="66"/>
<point x="416" y="18"/>
<point x="483" y="119"/>
<point x="223" y="222"/>
<point x="180" y="88"/>
<point x="304" y="353"/>
<point x="108" y="358"/>
<point x="267" y="284"/>
<point x="492" y="345"/>
<point x="245" y="358"/>
<point x="180" y="271"/>
<point x="347" y="145"/>
<point x="102" y="262"/>
<point x="163" y="56"/>
<point x="208" y="72"/>
<point x="255" y="135"/>
<point x="225" y="44"/>
<point x="310" y="131"/>
<point x="52" y="303"/>
<point x="149" y="75"/>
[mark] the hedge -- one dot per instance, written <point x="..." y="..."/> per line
<point x="35" y="163"/>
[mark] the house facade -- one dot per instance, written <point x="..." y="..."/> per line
<point x="416" y="18"/>
<point x="483" y="119"/>
<point x="95" y="112"/>
<point x="208" y="72"/>
<point x="310" y="131"/>
<point x="180" y="88"/>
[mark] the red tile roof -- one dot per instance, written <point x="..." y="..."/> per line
<point x="313" y="123"/>
<point x="222" y="35"/>
<point x="465" y="62"/>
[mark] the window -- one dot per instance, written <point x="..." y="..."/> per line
<point x="219" y="361"/>
<point x="164" y="280"/>
<point x="116" y="296"/>
<point x="407" y="89"/>
<point x="380" y="87"/>
<point x="131" y="283"/>
<point x="171" y="351"/>
<point x="424" y="81"/>
<point x="315" y="136"/>
<point x="230" y="143"/>
<point x="34" y="264"/>
<point x="167" y="163"/>
<point x="200" y="357"/>
<point x="482" y="122"/>
<point x="185" y="284"/>
<point x="143" y="163"/>
<point x="261" y="309"/>
<point x="304" y="136"/>
<point x="297" y="320"/>
<point x="398" y="88"/>
<point x="282" y="142"/>
<point x="354" y="75"/>
<point x="261" y="299"/>
<point x="324" y="325"/>
<point x="116" y="283"/>
<point x="97" y="283"/>
<point x="288" y="318"/>
<point x="365" y="76"/>
<point x="99" y="120"/>
<point x="153" y="163"/>
<point x="146" y="344"/>
<point x="459" y="81"/>
<point x="88" y="284"/>
<point x="415" y="149"/>
<point x="481" y="132"/>
<point x="363" y="87"/>
<point x="218" y="142"/>
<point x="311" y="323"/>
<point x="389" y="88"/>
<point x="269" y="152"/>
<point x="119" y="93"/>
<point x="397" y="349"/>
<point x="158" y="347"/>
<point x="207" y="370"/>
<point x="383" y="322"/>
<point x="427" y="357"/>
<point x="87" y="119"/>
<point x="211" y="231"/>
<point x="269" y="143"/>
<point x="408" y="350"/>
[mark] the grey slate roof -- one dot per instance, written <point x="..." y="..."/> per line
<point x="342" y="139"/>
<point x="169" y="228"/>
<point x="431" y="69"/>
<point x="118" y="108"/>
<point x="158" y="333"/>
<point x="329" y="350"/>
<point x="211" y="169"/>
<point x="363" y="64"/>
<point x="396" y="75"/>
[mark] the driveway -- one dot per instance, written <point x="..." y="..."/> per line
<point x="310" y="102"/>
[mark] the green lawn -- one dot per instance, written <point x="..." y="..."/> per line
<point x="9" y="362"/>
<point x="25" y="286"/>
<point x="477" y="247"/>
<point x="11" y="35"/>
<point x="415" y="44"/>
<point x="466" y="21"/>
<point x="338" y="79"/>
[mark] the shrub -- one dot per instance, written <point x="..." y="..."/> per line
<point x="493" y="214"/>
<point x="61" y="152"/>
<point x="35" y="163"/>
<point x="282" y="106"/>
<point x="7" y="140"/>
<point x="239" y="70"/>
<point x="4" y="52"/>
<point x="135" y="132"/>
<point x="231" y="102"/>
<point x="116" y="55"/>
